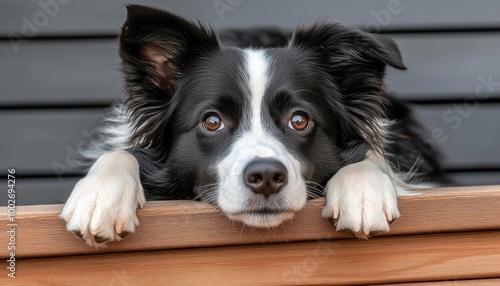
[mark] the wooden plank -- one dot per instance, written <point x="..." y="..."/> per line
<point x="40" y="191"/>
<point x="105" y="17"/>
<point x="440" y="67"/>
<point x="42" y="141"/>
<point x="187" y="224"/>
<point x="337" y="262"/>
<point x="471" y="282"/>
<point x="37" y="191"/>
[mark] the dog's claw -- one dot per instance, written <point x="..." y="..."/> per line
<point x="78" y="233"/>
<point x="113" y="218"/>
<point x="99" y="239"/>
<point x="361" y="234"/>
<point x="334" y="221"/>
<point x="362" y="207"/>
<point x="123" y="234"/>
<point x="388" y="214"/>
<point x="336" y="212"/>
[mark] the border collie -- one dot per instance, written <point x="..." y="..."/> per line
<point x="254" y="131"/>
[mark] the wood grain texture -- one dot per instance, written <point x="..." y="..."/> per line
<point x="188" y="224"/>
<point x="334" y="262"/>
<point x="468" y="282"/>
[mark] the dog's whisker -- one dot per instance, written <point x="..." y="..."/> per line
<point x="314" y="184"/>
<point x="208" y="191"/>
<point x="206" y="197"/>
<point x="242" y="229"/>
<point x="315" y="189"/>
<point x="284" y="230"/>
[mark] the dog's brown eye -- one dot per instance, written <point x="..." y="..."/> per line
<point x="299" y="122"/>
<point x="213" y="122"/>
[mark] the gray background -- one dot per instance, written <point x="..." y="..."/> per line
<point x="57" y="79"/>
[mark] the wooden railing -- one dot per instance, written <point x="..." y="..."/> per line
<point x="443" y="234"/>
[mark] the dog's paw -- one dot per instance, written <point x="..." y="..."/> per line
<point x="102" y="206"/>
<point x="362" y="199"/>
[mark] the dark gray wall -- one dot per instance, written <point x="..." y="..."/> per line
<point x="59" y="71"/>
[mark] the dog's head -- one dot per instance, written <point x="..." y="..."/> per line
<point x="254" y="131"/>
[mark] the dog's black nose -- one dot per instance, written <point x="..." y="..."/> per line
<point x="265" y="176"/>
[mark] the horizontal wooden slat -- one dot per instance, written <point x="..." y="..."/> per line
<point x="468" y="282"/>
<point x="475" y="178"/>
<point x="38" y="191"/>
<point x="440" y="67"/>
<point x="104" y="17"/>
<point x="60" y="72"/>
<point x="42" y="141"/>
<point x="187" y="224"/>
<point x="466" y="137"/>
<point x="341" y="262"/>
<point x="447" y="66"/>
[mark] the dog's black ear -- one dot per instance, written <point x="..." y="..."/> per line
<point x="349" y="45"/>
<point x="156" y="46"/>
<point x="356" y="62"/>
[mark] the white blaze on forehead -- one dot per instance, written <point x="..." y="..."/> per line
<point x="234" y="197"/>
<point x="256" y="64"/>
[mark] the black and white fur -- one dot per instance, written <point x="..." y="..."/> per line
<point x="177" y="74"/>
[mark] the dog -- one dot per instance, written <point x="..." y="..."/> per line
<point x="254" y="131"/>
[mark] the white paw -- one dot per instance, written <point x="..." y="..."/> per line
<point x="361" y="198"/>
<point x="102" y="206"/>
